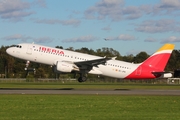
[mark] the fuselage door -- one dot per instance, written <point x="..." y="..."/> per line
<point x="29" y="49"/>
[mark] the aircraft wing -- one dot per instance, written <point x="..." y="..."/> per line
<point x="91" y="63"/>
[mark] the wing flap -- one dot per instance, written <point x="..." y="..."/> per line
<point x="92" y="63"/>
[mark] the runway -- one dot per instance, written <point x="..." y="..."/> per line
<point x="88" y="91"/>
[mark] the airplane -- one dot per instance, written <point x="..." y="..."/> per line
<point x="65" y="61"/>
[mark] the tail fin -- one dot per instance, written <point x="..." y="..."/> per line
<point x="159" y="59"/>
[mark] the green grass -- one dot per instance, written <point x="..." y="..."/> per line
<point x="89" y="107"/>
<point x="110" y="86"/>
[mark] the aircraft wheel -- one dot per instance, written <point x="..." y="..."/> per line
<point x="82" y="79"/>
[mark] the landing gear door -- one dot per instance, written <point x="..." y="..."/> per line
<point x="29" y="49"/>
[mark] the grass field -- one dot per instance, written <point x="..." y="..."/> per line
<point x="89" y="107"/>
<point x="76" y="85"/>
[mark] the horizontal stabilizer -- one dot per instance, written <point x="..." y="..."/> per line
<point x="113" y="58"/>
<point x="163" y="74"/>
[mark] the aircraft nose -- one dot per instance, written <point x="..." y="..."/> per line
<point x="9" y="51"/>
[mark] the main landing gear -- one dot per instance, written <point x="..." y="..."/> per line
<point x="82" y="78"/>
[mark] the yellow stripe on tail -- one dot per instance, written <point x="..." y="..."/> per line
<point x="166" y="47"/>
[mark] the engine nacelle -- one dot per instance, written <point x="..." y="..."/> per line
<point x="64" y="66"/>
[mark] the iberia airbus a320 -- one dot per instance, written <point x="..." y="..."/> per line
<point x="65" y="61"/>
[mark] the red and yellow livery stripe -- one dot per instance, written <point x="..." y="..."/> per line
<point x="155" y="63"/>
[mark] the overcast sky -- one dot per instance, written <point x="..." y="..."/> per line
<point x="130" y="26"/>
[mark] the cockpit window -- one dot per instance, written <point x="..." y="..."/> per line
<point x="18" y="46"/>
<point x="13" y="45"/>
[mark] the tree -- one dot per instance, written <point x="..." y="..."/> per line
<point x="128" y="58"/>
<point x="70" y="48"/>
<point x="40" y="73"/>
<point x="108" y="52"/>
<point x="60" y="47"/>
<point x="7" y="62"/>
<point x="174" y="61"/>
<point x="140" y="57"/>
<point x="83" y="50"/>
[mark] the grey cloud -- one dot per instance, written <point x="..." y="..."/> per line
<point x="150" y="39"/>
<point x="16" y="37"/>
<point x="147" y="9"/>
<point x="173" y="4"/>
<point x="24" y="38"/>
<point x="16" y="15"/>
<point x="154" y="26"/>
<point x="116" y="10"/>
<point x="15" y="5"/>
<point x="105" y="9"/>
<point x="43" y="40"/>
<point x="88" y="38"/>
<point x="47" y="21"/>
<point x="167" y="7"/>
<point x="107" y="28"/>
<point x="132" y="12"/>
<point x="41" y="3"/>
<point x="72" y="22"/>
<point x="171" y="39"/>
<point x="123" y="37"/>
<point x="15" y="10"/>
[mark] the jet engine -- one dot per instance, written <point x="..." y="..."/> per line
<point x="64" y="66"/>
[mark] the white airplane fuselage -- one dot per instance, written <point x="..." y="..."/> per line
<point x="49" y="56"/>
<point x="112" y="68"/>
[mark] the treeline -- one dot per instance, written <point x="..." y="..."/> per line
<point x="11" y="67"/>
